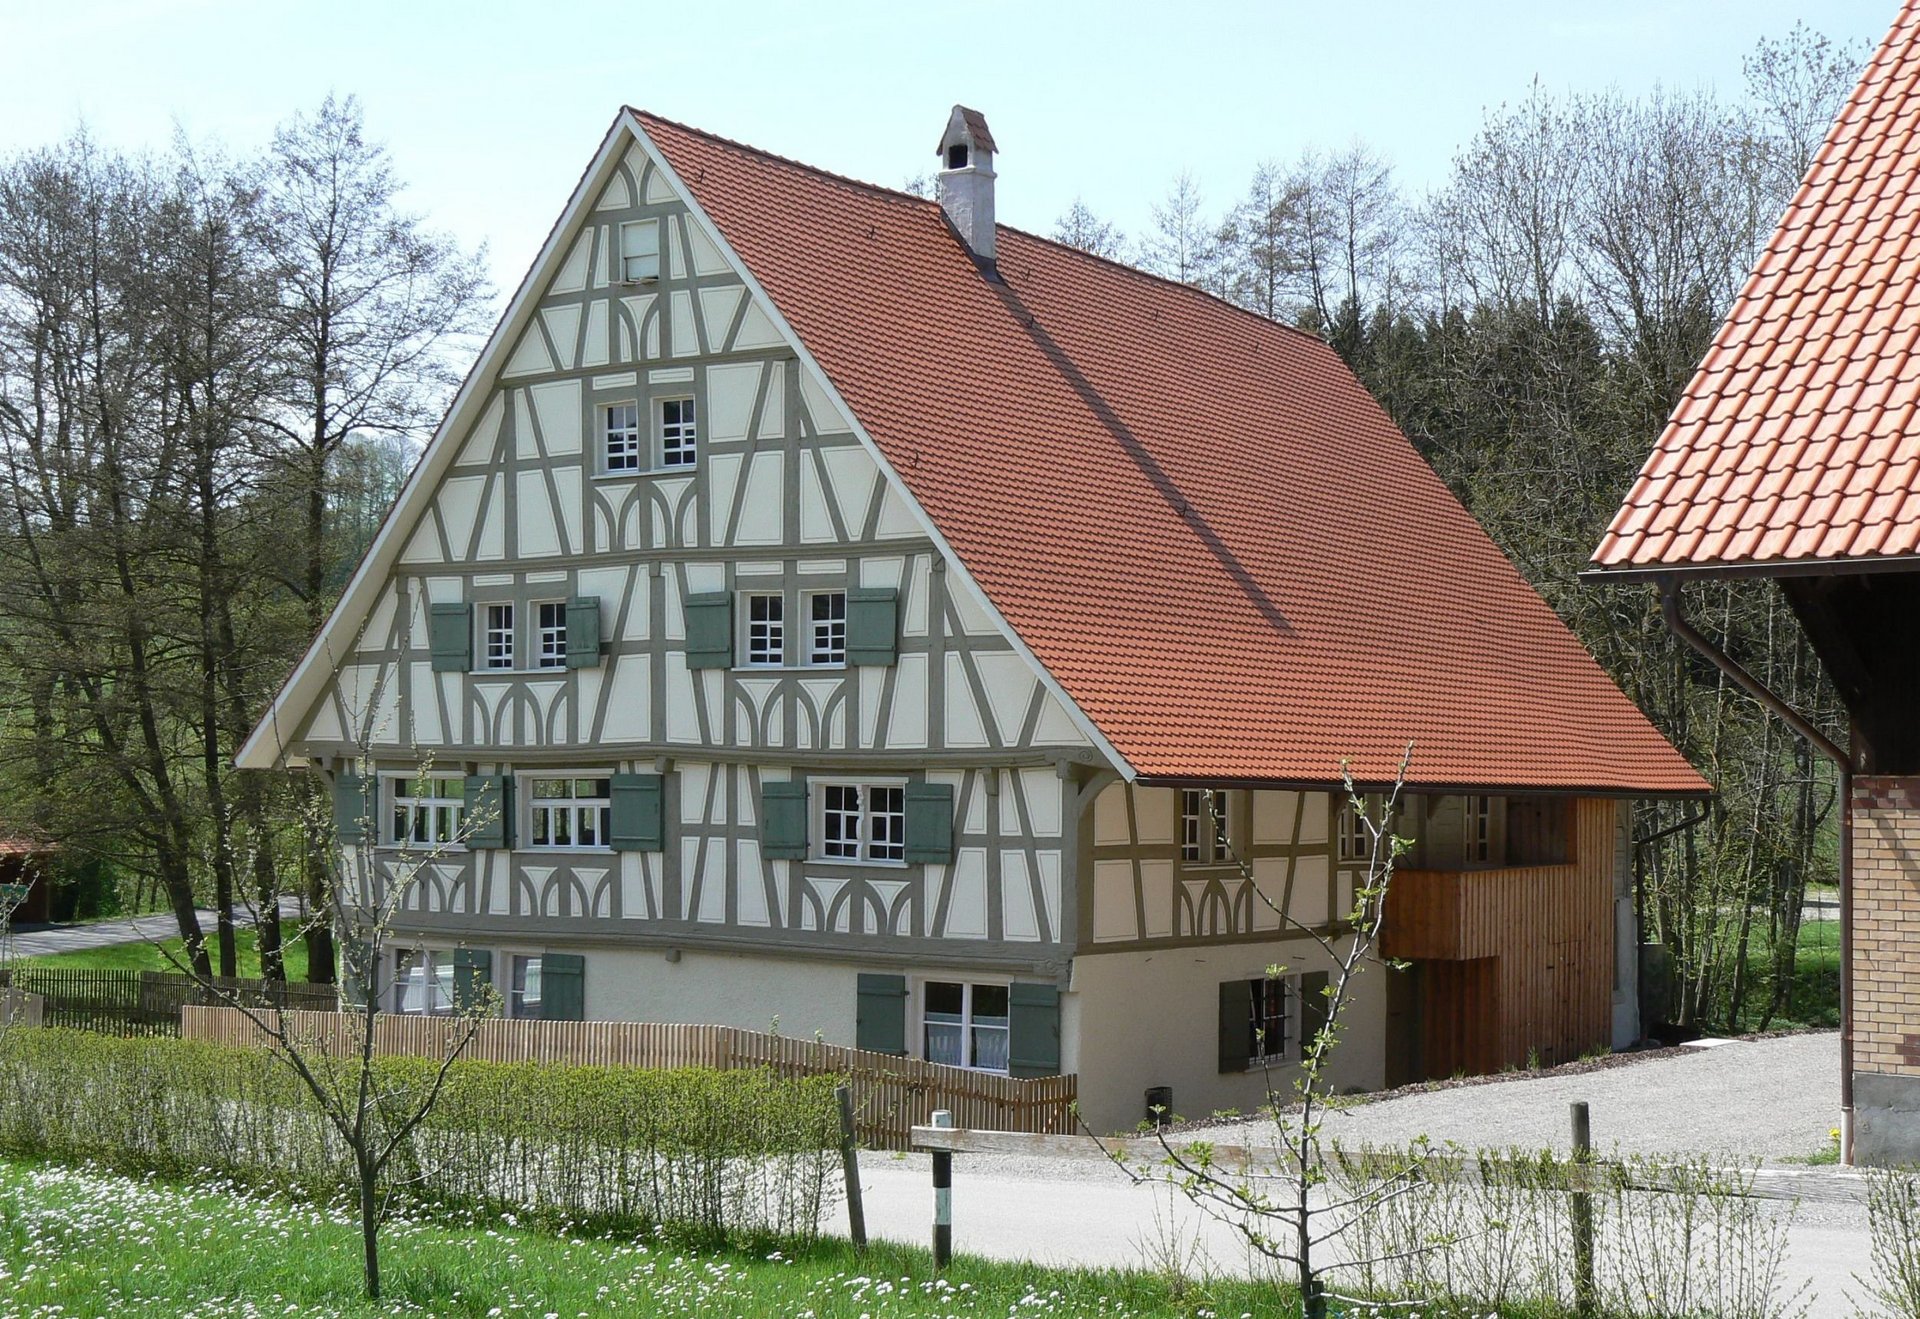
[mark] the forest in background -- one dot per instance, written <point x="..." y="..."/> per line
<point x="215" y="372"/>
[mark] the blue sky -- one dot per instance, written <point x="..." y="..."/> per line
<point x="491" y="109"/>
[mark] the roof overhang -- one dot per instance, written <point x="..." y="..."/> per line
<point x="1658" y="572"/>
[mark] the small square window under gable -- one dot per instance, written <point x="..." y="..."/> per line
<point x="640" y="251"/>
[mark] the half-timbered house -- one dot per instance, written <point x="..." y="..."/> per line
<point x="858" y="615"/>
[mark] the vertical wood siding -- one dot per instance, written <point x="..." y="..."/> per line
<point x="1516" y="962"/>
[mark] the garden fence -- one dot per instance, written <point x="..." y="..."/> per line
<point x="129" y="1002"/>
<point x="892" y="1095"/>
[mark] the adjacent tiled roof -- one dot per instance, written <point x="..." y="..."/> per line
<point x="1197" y="519"/>
<point x="1797" y="440"/>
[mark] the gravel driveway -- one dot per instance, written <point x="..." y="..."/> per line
<point x="1773" y="1100"/>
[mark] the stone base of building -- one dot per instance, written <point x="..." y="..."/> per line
<point x="1886" y="1120"/>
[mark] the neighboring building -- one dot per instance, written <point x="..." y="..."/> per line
<point x="23" y="861"/>
<point x="848" y="604"/>
<point x="1794" y="455"/>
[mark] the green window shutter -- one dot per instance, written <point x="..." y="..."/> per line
<point x="1313" y="1008"/>
<point x="450" y="635"/>
<point x="1033" y="1030"/>
<point x="583" y="633"/>
<point x="783" y="820"/>
<point x="1236" y="1025"/>
<point x="930" y="823"/>
<point x="350" y="813"/>
<point x="880" y="1023"/>
<point x="873" y="623"/>
<point x="639" y="817"/>
<point x="710" y="630"/>
<point x="472" y="977"/>
<point x="563" y="987"/>
<point x="489" y="811"/>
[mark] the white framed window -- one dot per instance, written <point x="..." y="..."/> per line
<point x="861" y="822"/>
<point x="766" y="628"/>
<point x="826" y="627"/>
<point x="422" y="982"/>
<point x="550" y="639"/>
<point x="640" y="251"/>
<point x="496" y="649"/>
<point x="568" y="812"/>
<point x="965" y="1024"/>
<point x="523" y="985"/>
<point x="1273" y="1022"/>
<point x="1477" y="828"/>
<point x="1206" y="835"/>
<point x="425" y="811"/>
<point x="620" y="437"/>
<point x="679" y="434"/>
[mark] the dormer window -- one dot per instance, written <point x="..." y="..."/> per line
<point x="957" y="156"/>
<point x="640" y="251"/>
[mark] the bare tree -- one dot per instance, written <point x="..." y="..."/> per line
<point x="372" y="305"/>
<point x="1080" y="227"/>
<point x="1181" y="244"/>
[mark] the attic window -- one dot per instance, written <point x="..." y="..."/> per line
<point x="957" y="156"/>
<point x="640" y="251"/>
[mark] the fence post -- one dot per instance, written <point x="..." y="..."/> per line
<point x="1583" y="1297"/>
<point x="850" y="1164"/>
<point x="942" y="1197"/>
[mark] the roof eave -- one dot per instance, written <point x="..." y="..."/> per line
<point x="1615" y="791"/>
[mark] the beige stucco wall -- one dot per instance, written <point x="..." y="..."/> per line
<point x="1138" y="1019"/>
<point x="723" y="989"/>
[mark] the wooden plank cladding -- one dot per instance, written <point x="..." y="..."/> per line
<point x="1516" y="962"/>
<point x="891" y="1095"/>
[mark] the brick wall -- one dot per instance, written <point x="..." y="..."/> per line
<point x="1886" y="923"/>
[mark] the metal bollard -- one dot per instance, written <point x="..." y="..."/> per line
<point x="942" y="1197"/>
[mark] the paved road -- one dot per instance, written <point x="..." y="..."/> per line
<point x="40" y="941"/>
<point x="1767" y="1099"/>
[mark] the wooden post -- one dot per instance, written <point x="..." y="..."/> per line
<point x="850" y="1163"/>
<point x="1583" y="1291"/>
<point x="942" y="1197"/>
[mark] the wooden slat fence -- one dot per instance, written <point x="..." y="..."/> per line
<point x="128" y="1002"/>
<point x="891" y="1095"/>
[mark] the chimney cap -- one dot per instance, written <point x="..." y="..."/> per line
<point x="970" y="123"/>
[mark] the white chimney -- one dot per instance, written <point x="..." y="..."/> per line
<point x="966" y="180"/>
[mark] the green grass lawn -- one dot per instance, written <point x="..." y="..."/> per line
<point x="145" y="956"/>
<point x="78" y="1242"/>
<point x="1815" y="998"/>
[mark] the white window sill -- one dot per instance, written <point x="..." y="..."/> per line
<point x="644" y="473"/>
<point x="789" y="668"/>
<point x="861" y="863"/>
<point x="534" y="850"/>
<point x="423" y="849"/>
<point x="517" y="673"/>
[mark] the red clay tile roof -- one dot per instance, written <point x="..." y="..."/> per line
<point x="1796" y="440"/>
<point x="1198" y="520"/>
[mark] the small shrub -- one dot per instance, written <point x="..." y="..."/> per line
<point x="1893" y="1221"/>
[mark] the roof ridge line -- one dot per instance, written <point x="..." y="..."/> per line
<point x="900" y="194"/>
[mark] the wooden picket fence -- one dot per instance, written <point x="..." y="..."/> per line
<point x="891" y="1095"/>
<point x="128" y="1002"/>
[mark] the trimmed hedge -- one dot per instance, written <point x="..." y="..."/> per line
<point x="707" y="1153"/>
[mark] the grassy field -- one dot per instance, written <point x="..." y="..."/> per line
<point x="1815" y="998"/>
<point x="144" y="956"/>
<point x="76" y="1242"/>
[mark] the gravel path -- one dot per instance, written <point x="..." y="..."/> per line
<point x="41" y="940"/>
